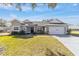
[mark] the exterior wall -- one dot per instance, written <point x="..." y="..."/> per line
<point x="19" y="28"/>
<point x="66" y="29"/>
<point x="27" y="29"/>
<point x="39" y="29"/>
<point x="46" y="30"/>
<point x="15" y="23"/>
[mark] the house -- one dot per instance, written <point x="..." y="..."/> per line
<point x="73" y="27"/>
<point x="52" y="26"/>
<point x="2" y="25"/>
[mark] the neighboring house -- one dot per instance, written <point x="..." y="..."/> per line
<point x="52" y="26"/>
<point x="2" y="25"/>
<point x="74" y="27"/>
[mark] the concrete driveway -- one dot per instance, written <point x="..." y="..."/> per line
<point x="71" y="42"/>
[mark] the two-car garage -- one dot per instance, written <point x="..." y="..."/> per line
<point x="58" y="29"/>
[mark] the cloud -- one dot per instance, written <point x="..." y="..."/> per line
<point x="13" y="16"/>
<point x="72" y="19"/>
<point x="75" y="4"/>
<point x="24" y="8"/>
<point x="5" y="6"/>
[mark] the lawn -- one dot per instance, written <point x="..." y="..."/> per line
<point x="74" y="32"/>
<point x="41" y="45"/>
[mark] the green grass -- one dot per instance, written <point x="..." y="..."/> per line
<point x="36" y="45"/>
<point x="74" y="32"/>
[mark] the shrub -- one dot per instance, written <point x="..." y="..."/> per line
<point x="22" y="32"/>
<point x="69" y="31"/>
<point x="18" y="33"/>
<point x="40" y="32"/>
<point x="14" y="33"/>
<point x="1" y="31"/>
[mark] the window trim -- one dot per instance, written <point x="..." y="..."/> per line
<point x="16" y="27"/>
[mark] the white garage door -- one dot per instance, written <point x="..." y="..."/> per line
<point x="56" y="30"/>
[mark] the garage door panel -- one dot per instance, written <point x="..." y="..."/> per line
<point x="56" y="30"/>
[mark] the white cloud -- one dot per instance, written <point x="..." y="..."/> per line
<point x="24" y="8"/>
<point x="8" y="6"/>
<point x="13" y="16"/>
<point x="72" y="19"/>
<point x="75" y="4"/>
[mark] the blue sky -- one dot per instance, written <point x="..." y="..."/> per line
<point x="68" y="13"/>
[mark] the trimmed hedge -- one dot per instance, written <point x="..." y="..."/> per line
<point x="18" y="33"/>
<point x="14" y="33"/>
<point x="69" y="31"/>
<point x="22" y="32"/>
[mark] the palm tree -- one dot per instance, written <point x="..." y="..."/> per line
<point x="34" y="5"/>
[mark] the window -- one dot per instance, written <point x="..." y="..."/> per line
<point x="16" y="28"/>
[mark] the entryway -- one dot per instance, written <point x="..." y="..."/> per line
<point x="32" y="30"/>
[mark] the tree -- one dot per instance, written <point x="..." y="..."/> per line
<point x="18" y="6"/>
<point x="2" y="23"/>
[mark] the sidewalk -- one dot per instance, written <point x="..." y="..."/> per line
<point x="4" y="34"/>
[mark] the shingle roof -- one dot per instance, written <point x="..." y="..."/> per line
<point x="15" y="22"/>
<point x="51" y="21"/>
<point x="55" y="21"/>
<point x="41" y="23"/>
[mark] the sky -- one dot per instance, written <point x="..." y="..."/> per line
<point x="66" y="12"/>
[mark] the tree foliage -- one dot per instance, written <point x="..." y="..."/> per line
<point x="2" y="23"/>
<point x="18" y="6"/>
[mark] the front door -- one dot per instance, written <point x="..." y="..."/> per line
<point x="32" y="30"/>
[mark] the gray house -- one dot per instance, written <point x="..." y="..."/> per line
<point x="52" y="26"/>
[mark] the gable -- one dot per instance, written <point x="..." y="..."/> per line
<point x="15" y="22"/>
<point x="55" y="21"/>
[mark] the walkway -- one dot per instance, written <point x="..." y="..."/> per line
<point x="4" y="34"/>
